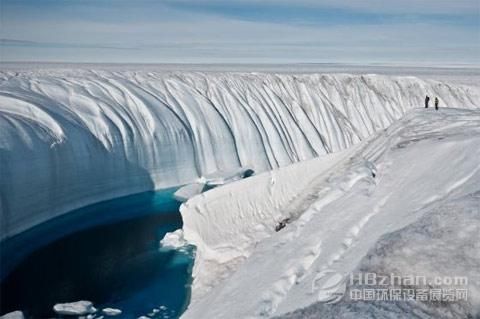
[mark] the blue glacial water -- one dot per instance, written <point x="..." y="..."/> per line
<point x="107" y="253"/>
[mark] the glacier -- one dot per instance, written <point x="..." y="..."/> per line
<point x="72" y="136"/>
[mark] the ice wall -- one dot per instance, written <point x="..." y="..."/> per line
<point x="69" y="138"/>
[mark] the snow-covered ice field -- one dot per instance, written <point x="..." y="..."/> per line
<point x="345" y="163"/>
<point x="459" y="74"/>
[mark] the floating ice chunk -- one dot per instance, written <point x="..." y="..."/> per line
<point x="224" y="177"/>
<point x="111" y="311"/>
<point x="188" y="191"/>
<point x="13" y="315"/>
<point x="210" y="181"/>
<point x="79" y="308"/>
<point x="173" y="240"/>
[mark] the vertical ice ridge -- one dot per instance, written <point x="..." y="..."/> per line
<point x="79" y="136"/>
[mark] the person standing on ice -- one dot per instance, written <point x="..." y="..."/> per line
<point x="427" y="100"/>
<point x="436" y="103"/>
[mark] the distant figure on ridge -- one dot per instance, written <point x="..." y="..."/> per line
<point x="436" y="103"/>
<point x="427" y="100"/>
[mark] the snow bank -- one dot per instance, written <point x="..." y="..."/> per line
<point x="226" y="225"/>
<point x="337" y="207"/>
<point x="73" y="137"/>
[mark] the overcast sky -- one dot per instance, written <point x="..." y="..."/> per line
<point x="241" y="31"/>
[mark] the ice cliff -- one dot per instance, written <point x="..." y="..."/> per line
<point x="69" y="138"/>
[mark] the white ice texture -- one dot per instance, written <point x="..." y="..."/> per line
<point x="73" y="137"/>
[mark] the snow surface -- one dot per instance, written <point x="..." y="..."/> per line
<point x="72" y="137"/>
<point x="459" y="74"/>
<point x="444" y="243"/>
<point x="338" y="207"/>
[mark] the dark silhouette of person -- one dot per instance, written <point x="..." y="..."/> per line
<point x="427" y="100"/>
<point x="436" y="103"/>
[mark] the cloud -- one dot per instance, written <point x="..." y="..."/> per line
<point x="371" y="6"/>
<point x="180" y="31"/>
<point x="327" y="12"/>
<point x="36" y="44"/>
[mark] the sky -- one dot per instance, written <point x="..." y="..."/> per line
<point x="413" y="32"/>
